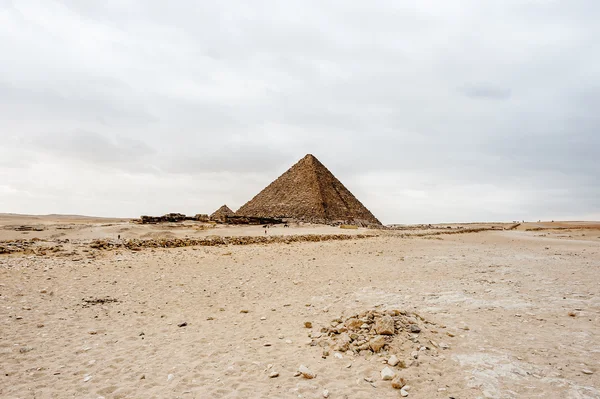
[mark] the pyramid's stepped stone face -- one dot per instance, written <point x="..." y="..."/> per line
<point x="309" y="192"/>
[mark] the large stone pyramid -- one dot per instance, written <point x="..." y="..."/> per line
<point x="309" y="192"/>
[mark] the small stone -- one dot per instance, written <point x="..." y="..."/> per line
<point x="403" y="393"/>
<point x="307" y="324"/>
<point x="325" y="354"/>
<point x="170" y="377"/>
<point x="444" y="345"/>
<point x="143" y="377"/>
<point x="377" y="343"/>
<point x="274" y="374"/>
<point x="267" y="344"/>
<point x="244" y="311"/>
<point x="184" y="324"/>
<point x="87" y="378"/>
<point x="325" y="393"/>
<point x="297" y="374"/>
<point x="415" y="329"/>
<point x="415" y="354"/>
<point x="385" y="325"/>
<point x="398" y="382"/>
<point x="586" y="371"/>
<point x="393" y="360"/>
<point x="338" y="355"/>
<point x="387" y="374"/>
<point x="263" y="318"/>
<point x="306" y="372"/>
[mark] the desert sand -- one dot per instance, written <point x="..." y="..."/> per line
<point x="505" y="313"/>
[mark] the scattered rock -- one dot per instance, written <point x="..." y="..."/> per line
<point x="182" y="324"/>
<point x="325" y="393"/>
<point x="586" y="371"/>
<point x="274" y="374"/>
<point x="307" y="324"/>
<point x="170" y="377"/>
<point x="393" y="361"/>
<point x="87" y="378"/>
<point x="415" y="329"/>
<point x="244" y="311"/>
<point x="387" y="374"/>
<point x="377" y="343"/>
<point x="306" y="372"/>
<point x="385" y="325"/>
<point x="398" y="382"/>
<point x="403" y="393"/>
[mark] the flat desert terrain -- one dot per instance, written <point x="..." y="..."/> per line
<point x="492" y="313"/>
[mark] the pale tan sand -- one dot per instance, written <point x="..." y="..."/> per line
<point x="505" y="295"/>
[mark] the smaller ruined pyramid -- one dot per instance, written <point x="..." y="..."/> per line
<point x="221" y="214"/>
<point x="309" y="192"/>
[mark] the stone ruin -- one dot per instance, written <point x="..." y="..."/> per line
<point x="172" y="218"/>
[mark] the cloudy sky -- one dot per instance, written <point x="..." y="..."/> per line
<point x="427" y="110"/>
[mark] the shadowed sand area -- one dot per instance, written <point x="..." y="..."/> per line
<point x="506" y="313"/>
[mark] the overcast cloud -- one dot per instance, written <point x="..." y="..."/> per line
<point x="427" y="110"/>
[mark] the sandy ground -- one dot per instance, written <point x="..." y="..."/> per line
<point x="519" y="310"/>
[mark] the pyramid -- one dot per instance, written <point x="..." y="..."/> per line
<point x="221" y="214"/>
<point x="309" y="192"/>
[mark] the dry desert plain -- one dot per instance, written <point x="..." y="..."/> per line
<point x="494" y="313"/>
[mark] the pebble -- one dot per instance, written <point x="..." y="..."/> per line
<point x="393" y="360"/>
<point x="403" y="393"/>
<point x="415" y="354"/>
<point x="87" y="378"/>
<point x="307" y="324"/>
<point x="338" y="355"/>
<point x="586" y="371"/>
<point x="398" y="382"/>
<point x="325" y="393"/>
<point x="415" y="329"/>
<point x="274" y="374"/>
<point x="387" y="374"/>
<point x="244" y="311"/>
<point x="170" y="377"/>
<point x="263" y="318"/>
<point x="306" y="372"/>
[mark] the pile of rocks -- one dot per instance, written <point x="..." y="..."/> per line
<point x="137" y="244"/>
<point x="399" y="336"/>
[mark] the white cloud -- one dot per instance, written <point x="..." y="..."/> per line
<point x="427" y="110"/>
